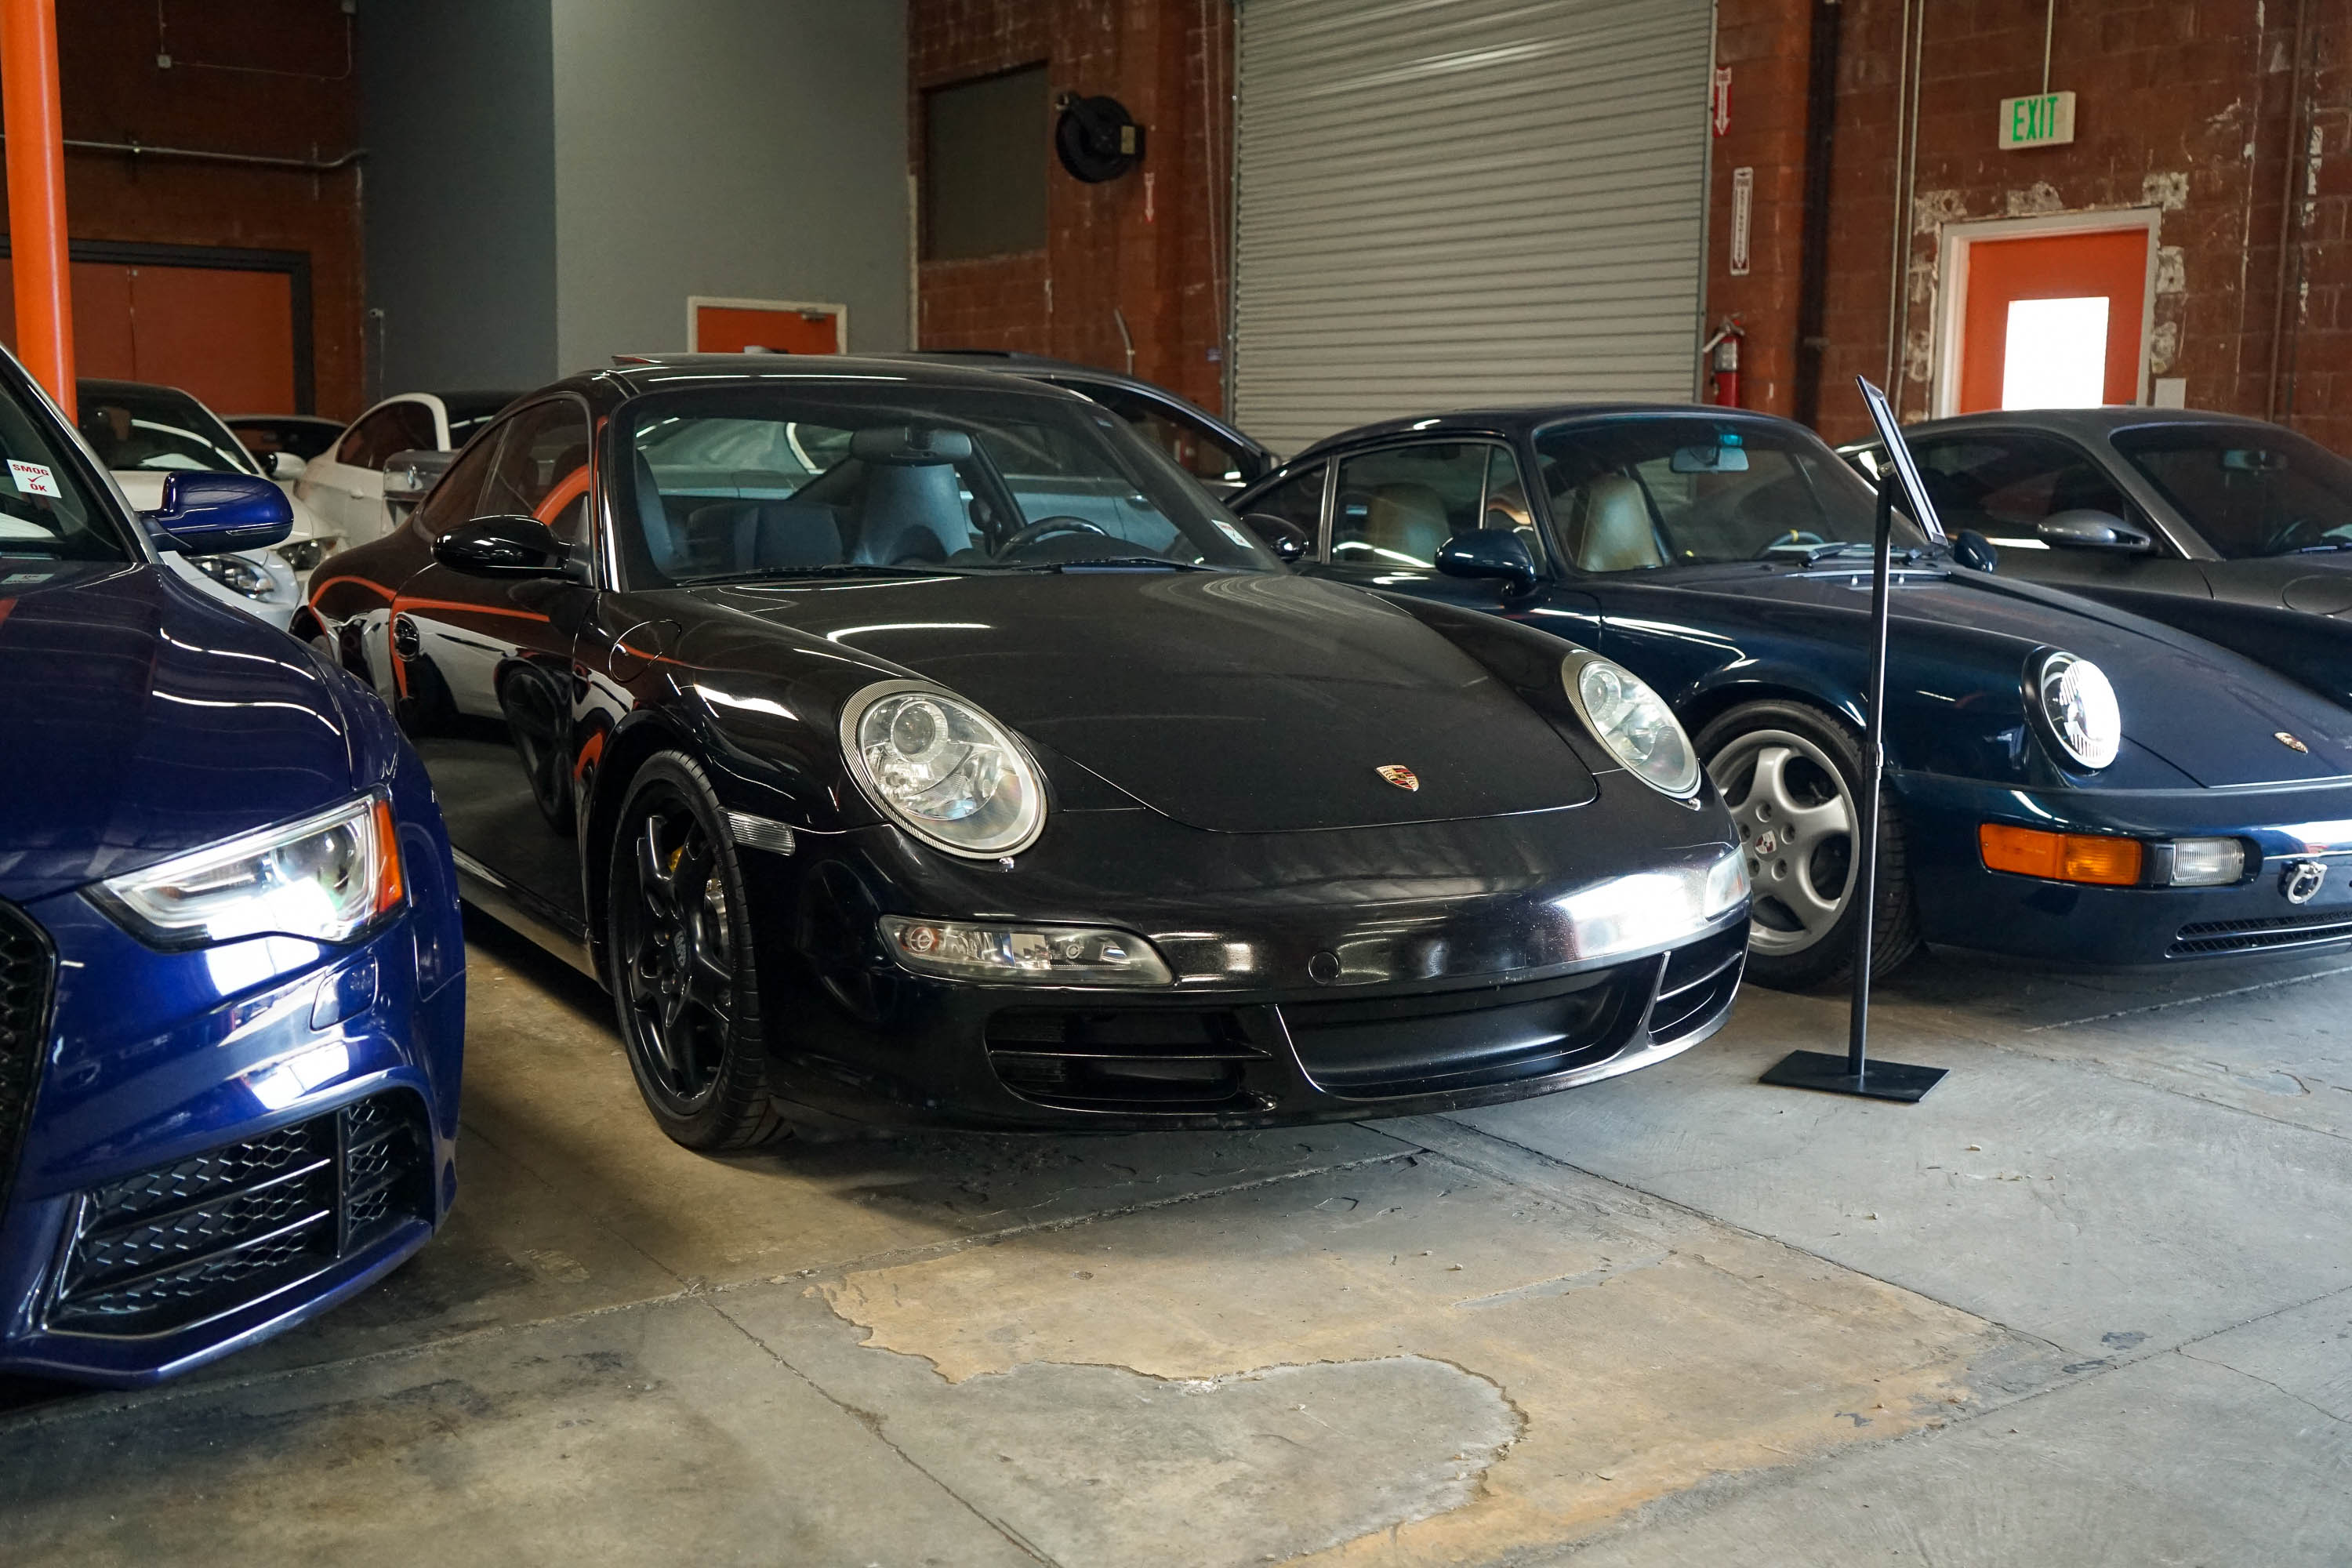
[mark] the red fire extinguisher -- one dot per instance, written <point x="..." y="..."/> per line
<point x="1722" y="352"/>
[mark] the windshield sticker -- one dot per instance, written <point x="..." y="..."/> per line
<point x="1230" y="531"/>
<point x="33" y="478"/>
<point x="15" y="577"/>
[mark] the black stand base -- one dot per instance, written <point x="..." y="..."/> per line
<point x="1878" y="1081"/>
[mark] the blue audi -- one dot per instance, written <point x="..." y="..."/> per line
<point x="231" y="967"/>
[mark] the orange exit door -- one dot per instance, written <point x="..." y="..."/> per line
<point x="225" y="335"/>
<point x="732" y="326"/>
<point x="2054" y="320"/>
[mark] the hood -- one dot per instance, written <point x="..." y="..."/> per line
<point x="138" y="720"/>
<point x="2210" y="713"/>
<point x="1236" y="702"/>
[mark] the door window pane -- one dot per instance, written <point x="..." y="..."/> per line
<point x="1396" y="507"/>
<point x="455" y="497"/>
<point x="2002" y="485"/>
<point x="542" y="469"/>
<point x="1198" y="451"/>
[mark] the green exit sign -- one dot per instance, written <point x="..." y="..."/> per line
<point x="2045" y="120"/>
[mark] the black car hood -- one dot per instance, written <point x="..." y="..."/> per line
<point x="138" y="720"/>
<point x="1244" y="702"/>
<point x="2214" y="716"/>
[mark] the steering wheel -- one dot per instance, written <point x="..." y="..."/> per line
<point x="1046" y="528"/>
<point x="2285" y="538"/>
<point x="1795" y="536"/>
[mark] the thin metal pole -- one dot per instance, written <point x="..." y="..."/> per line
<point x="37" y="194"/>
<point x="1874" y="756"/>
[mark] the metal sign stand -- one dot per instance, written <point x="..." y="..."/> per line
<point x="1855" y="1072"/>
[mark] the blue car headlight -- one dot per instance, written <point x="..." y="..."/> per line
<point x="326" y="878"/>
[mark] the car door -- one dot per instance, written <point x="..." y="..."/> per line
<point x="2004" y="482"/>
<point x="487" y="669"/>
<point x="346" y="485"/>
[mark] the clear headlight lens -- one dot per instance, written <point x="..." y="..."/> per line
<point x="2080" y="707"/>
<point x="943" y="770"/>
<point x="1051" y="955"/>
<point x="1634" y="722"/>
<point x="325" y="879"/>
<point x="235" y="572"/>
<point x="1727" y="886"/>
<point x="304" y="554"/>
<point x="2208" y="862"/>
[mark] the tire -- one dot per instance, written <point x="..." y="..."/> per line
<point x="677" y="927"/>
<point x="1778" y="763"/>
<point x="539" y="722"/>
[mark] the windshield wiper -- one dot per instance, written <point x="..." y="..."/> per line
<point x="2320" y="549"/>
<point x="1122" y="562"/>
<point x="835" y="569"/>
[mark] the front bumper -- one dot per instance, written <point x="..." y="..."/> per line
<point x="1316" y="979"/>
<point x="1962" y="904"/>
<point x="172" y="1200"/>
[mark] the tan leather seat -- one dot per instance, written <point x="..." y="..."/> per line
<point x="1406" y="521"/>
<point x="1609" y="527"/>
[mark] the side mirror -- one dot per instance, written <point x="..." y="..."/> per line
<point x="1489" y="552"/>
<point x="408" y="475"/>
<point x="1279" y="534"/>
<point x="2084" y="529"/>
<point x="219" y="514"/>
<point x="503" y="547"/>
<point x="285" y="467"/>
<point x="1974" y="551"/>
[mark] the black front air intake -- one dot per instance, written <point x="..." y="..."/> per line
<point x="185" y="1242"/>
<point x="28" y="980"/>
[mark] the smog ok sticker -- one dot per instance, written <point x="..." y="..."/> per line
<point x="33" y="478"/>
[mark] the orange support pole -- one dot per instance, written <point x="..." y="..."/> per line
<point x="30" y="116"/>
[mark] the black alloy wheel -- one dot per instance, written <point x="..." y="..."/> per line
<point x="680" y="949"/>
<point x="1791" y="774"/>
<point x="539" y="720"/>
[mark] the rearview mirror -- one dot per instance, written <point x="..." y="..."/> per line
<point x="2084" y="528"/>
<point x="503" y="547"/>
<point x="898" y="444"/>
<point x="219" y="514"/>
<point x="1279" y="534"/>
<point x="1489" y="552"/>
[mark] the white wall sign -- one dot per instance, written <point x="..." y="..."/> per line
<point x="1743" y="208"/>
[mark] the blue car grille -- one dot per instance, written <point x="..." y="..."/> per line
<point x="27" y="978"/>
<point x="185" y="1242"/>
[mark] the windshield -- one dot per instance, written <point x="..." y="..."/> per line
<point x="157" y="430"/>
<point x="2250" y="490"/>
<point x="47" y="511"/>
<point x="834" y="476"/>
<point x="1685" y="489"/>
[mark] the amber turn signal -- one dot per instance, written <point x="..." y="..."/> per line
<point x="2060" y="856"/>
<point x="390" y="887"/>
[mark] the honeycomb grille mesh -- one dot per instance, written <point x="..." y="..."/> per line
<point x="203" y="1236"/>
<point x="27" y="976"/>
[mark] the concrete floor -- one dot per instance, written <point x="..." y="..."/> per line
<point x="2089" y="1303"/>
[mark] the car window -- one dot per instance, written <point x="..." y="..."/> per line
<point x="1627" y="494"/>
<point x="759" y="479"/>
<point x="403" y="427"/>
<point x="456" y="496"/>
<point x="468" y="412"/>
<point x="47" y="511"/>
<point x="1299" y="501"/>
<point x="2001" y="484"/>
<point x="1195" y="448"/>
<point x="156" y="429"/>
<point x="1396" y="507"/>
<point x="541" y="470"/>
<point x="2250" y="489"/>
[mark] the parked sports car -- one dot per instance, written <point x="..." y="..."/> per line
<point x="1220" y="457"/>
<point x="144" y="435"/>
<point x="2065" y="780"/>
<point x="273" y="437"/>
<point x="345" y="483"/>
<point x="914" y="744"/>
<point x="231" y="995"/>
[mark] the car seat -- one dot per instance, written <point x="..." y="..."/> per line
<point x="662" y="541"/>
<point x="764" y="533"/>
<point x="1608" y="527"/>
<point x="1406" y="522"/>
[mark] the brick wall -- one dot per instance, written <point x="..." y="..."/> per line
<point x="2183" y="107"/>
<point x="1150" y="246"/>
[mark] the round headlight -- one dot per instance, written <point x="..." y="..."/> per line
<point x="1634" y="722"/>
<point x="2080" y="707"/>
<point x="943" y="770"/>
<point x="235" y="573"/>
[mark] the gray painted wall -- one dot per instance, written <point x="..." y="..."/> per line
<point x="750" y="148"/>
<point x="457" y="111"/>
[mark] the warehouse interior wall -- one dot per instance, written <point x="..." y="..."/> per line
<point x="742" y="148"/>
<point x="458" y="111"/>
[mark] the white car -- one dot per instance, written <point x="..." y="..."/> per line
<point x="344" y="484"/>
<point x="144" y="433"/>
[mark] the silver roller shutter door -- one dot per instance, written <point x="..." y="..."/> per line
<point x="1448" y="203"/>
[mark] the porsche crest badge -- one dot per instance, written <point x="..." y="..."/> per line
<point x="1399" y="774"/>
<point x="2289" y="742"/>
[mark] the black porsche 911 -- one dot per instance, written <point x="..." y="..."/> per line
<point x="911" y="744"/>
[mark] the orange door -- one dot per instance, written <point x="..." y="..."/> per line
<point x="2054" y="321"/>
<point x="224" y="335"/>
<point x="793" y="329"/>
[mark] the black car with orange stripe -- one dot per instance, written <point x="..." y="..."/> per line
<point x="911" y="743"/>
